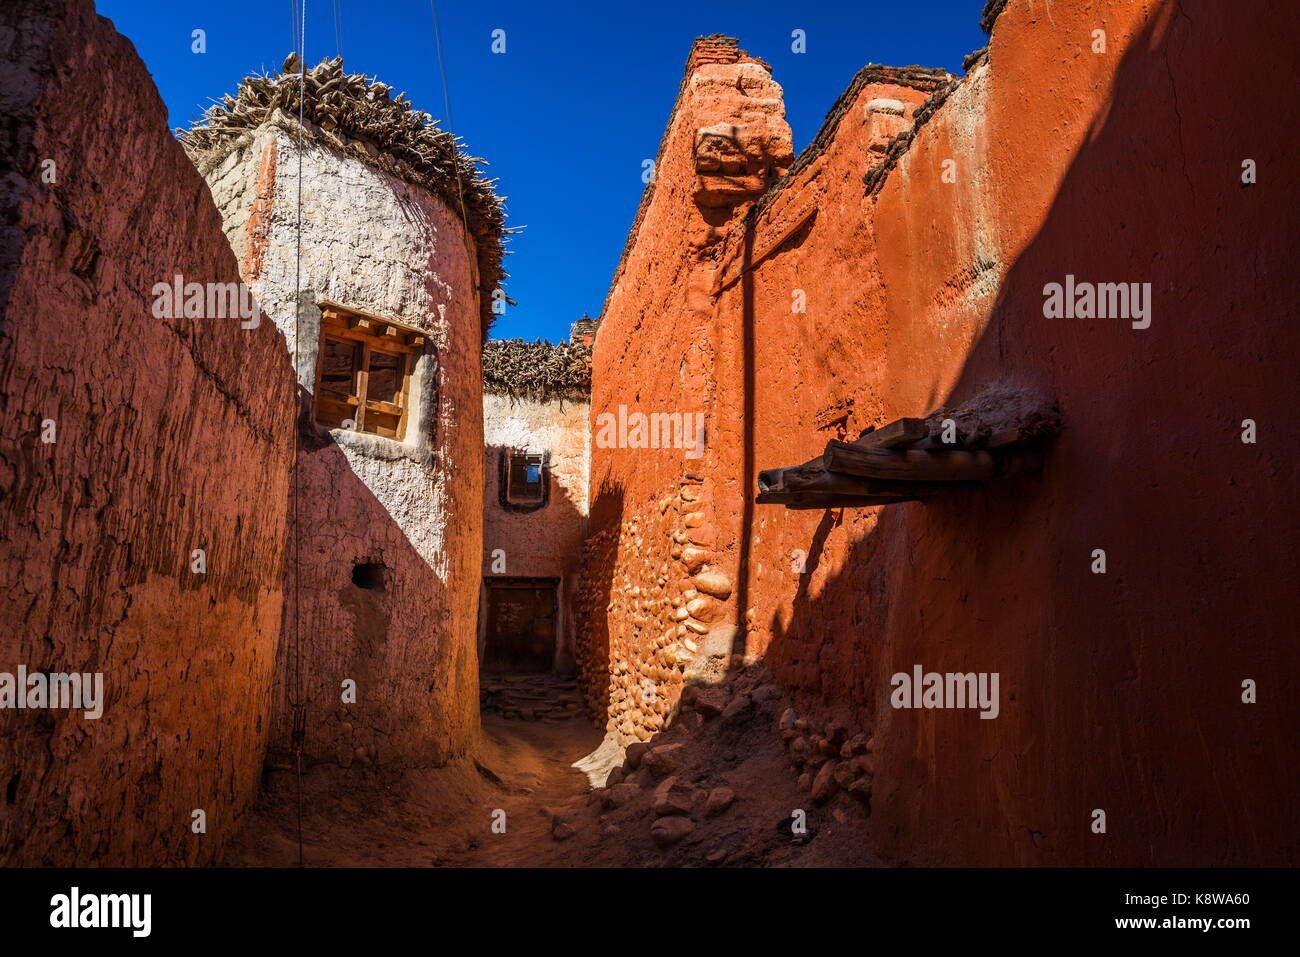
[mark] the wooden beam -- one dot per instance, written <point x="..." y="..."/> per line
<point x="909" y="465"/>
<point x="897" y="434"/>
<point x="772" y="479"/>
<point x="387" y="408"/>
<point x="806" y="479"/>
<point x="802" y="478"/>
<point x="845" y="501"/>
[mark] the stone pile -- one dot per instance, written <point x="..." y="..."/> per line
<point x="830" y="758"/>
<point x="685" y="781"/>
<point x="677" y="799"/>
<point x="541" y="697"/>
<point x="715" y="788"/>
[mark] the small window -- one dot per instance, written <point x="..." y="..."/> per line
<point x="365" y="373"/>
<point x="523" y="480"/>
<point x="527" y="478"/>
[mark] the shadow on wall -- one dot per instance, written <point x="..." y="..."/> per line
<point x="373" y="613"/>
<point x="596" y="589"/>
<point x="1119" y="691"/>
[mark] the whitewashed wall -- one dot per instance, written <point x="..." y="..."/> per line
<point x="376" y="244"/>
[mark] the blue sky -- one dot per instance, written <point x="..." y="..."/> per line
<point x="568" y="113"/>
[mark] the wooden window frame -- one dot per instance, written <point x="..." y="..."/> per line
<point x="368" y="334"/>
<point x="544" y="480"/>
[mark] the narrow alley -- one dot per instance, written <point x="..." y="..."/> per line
<point x="814" y="463"/>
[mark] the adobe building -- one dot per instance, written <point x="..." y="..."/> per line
<point x="1124" y="591"/>
<point x="377" y="661"/>
<point x="537" y="440"/>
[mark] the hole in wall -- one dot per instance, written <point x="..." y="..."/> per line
<point x="369" y="575"/>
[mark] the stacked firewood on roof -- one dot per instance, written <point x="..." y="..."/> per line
<point x="997" y="433"/>
<point x="537" y="370"/>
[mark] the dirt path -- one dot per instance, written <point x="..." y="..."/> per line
<point x="440" y="817"/>
<point x="730" y="782"/>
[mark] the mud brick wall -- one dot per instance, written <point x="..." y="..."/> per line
<point x="170" y="435"/>
<point x="1119" y="691"/>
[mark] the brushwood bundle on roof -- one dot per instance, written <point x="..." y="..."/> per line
<point x="357" y="116"/>
<point x="537" y="370"/>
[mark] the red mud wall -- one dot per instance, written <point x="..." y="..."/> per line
<point x="654" y="521"/>
<point x="170" y="435"/>
<point x="1119" y="691"/>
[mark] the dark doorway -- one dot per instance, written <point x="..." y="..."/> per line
<point x="520" y="625"/>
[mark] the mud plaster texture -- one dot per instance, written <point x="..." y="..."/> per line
<point x="378" y="245"/>
<point x="1120" y="691"/>
<point x="171" y="435"/>
<point x="545" y="542"/>
<point x="657" y="600"/>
